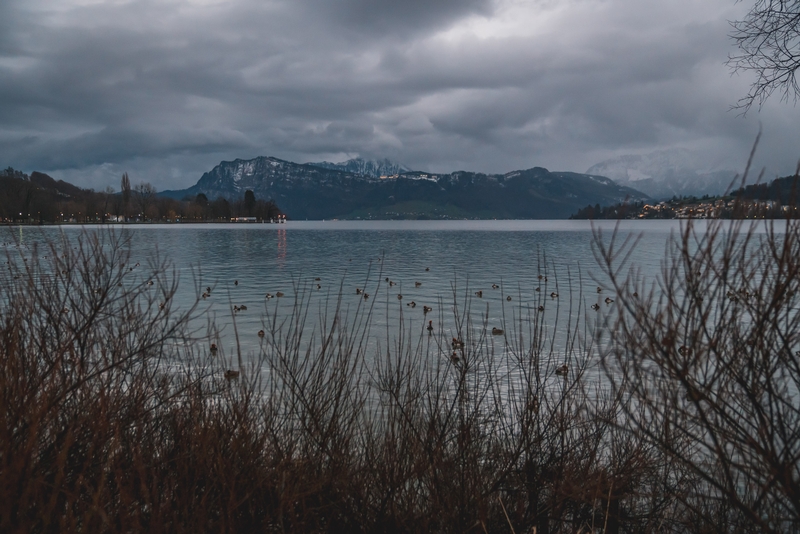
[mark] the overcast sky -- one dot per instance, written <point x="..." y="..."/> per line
<point x="166" y="89"/>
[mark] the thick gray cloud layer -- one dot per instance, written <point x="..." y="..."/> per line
<point x="165" y="89"/>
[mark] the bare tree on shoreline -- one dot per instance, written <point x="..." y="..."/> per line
<point x="125" y="188"/>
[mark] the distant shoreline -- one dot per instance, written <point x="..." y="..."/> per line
<point x="120" y="223"/>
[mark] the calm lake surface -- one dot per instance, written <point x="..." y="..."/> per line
<point x="450" y="260"/>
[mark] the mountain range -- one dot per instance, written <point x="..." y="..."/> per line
<point x="663" y="174"/>
<point x="385" y="190"/>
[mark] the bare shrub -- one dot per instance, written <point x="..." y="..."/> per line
<point x="706" y="364"/>
<point x="114" y="417"/>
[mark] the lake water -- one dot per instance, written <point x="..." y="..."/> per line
<point x="440" y="264"/>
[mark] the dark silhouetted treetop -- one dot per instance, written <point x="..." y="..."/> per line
<point x="768" y="39"/>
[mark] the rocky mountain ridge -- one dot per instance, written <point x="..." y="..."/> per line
<point x="308" y="191"/>
<point x="366" y="167"/>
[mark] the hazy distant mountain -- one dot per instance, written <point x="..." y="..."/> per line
<point x="367" y="167"/>
<point x="43" y="182"/>
<point x="63" y="188"/>
<point x="315" y="192"/>
<point x="666" y="173"/>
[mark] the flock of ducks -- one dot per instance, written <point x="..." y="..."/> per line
<point x="456" y="344"/>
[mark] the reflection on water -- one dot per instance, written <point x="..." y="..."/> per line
<point x="281" y="248"/>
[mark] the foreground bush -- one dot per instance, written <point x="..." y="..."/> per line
<point x="114" y="417"/>
<point x="706" y="364"/>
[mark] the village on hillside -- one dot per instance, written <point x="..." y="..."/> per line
<point x="777" y="199"/>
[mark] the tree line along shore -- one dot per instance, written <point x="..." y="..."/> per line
<point x="40" y="199"/>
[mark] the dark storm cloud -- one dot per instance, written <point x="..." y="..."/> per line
<point x="165" y="89"/>
<point x="392" y="17"/>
